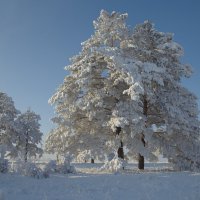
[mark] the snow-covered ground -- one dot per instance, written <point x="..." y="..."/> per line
<point x="88" y="184"/>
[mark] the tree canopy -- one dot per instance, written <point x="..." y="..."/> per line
<point x="124" y="87"/>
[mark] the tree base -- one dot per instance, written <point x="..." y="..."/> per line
<point x="140" y="162"/>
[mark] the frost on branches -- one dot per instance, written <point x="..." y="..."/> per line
<point x="124" y="90"/>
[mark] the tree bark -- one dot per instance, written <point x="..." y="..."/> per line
<point x="145" y="112"/>
<point x="140" y="162"/>
<point x="26" y="148"/>
<point x="120" y="151"/>
<point x="57" y="158"/>
<point x="145" y="105"/>
<point x="118" y="130"/>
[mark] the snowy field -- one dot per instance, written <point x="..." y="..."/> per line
<point x="157" y="183"/>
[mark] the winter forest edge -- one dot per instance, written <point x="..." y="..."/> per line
<point x="122" y="101"/>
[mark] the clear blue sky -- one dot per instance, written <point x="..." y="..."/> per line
<point x="37" y="38"/>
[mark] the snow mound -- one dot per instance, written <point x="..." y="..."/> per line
<point x="66" y="169"/>
<point x="114" y="165"/>
<point x="63" y="168"/>
<point x="51" y="166"/>
<point x="30" y="169"/>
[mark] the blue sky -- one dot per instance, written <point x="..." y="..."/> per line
<point x="37" y="38"/>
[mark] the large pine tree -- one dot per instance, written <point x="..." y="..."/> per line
<point x="124" y="89"/>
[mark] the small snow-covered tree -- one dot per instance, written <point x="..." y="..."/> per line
<point x="29" y="135"/>
<point x="8" y="113"/>
<point x="55" y="142"/>
<point x="120" y="87"/>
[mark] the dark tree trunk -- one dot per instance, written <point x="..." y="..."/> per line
<point x="120" y="151"/>
<point x="145" y="112"/>
<point x="92" y="160"/>
<point x="145" y="105"/>
<point x="118" y="130"/>
<point x="140" y="157"/>
<point x="140" y="162"/>
<point x="57" y="158"/>
<point x="26" y="148"/>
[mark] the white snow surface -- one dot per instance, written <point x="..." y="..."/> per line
<point x="90" y="184"/>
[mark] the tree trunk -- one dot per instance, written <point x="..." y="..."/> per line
<point x="92" y="160"/>
<point x="26" y="153"/>
<point x="57" y="158"/>
<point x="145" y="112"/>
<point x="118" y="130"/>
<point x="140" y="157"/>
<point x="140" y="162"/>
<point x="145" y="105"/>
<point x="120" y="151"/>
<point x="26" y="149"/>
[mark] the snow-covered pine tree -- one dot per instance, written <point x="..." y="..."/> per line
<point x="86" y="109"/>
<point x="171" y="104"/>
<point x="29" y="135"/>
<point x="120" y="88"/>
<point x="102" y="77"/>
<point x="8" y="113"/>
